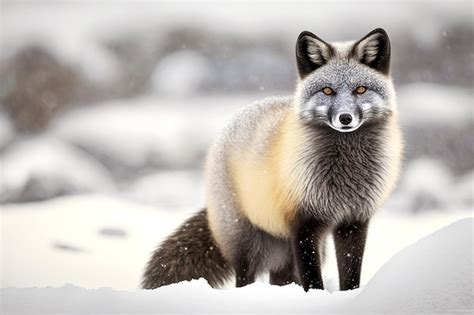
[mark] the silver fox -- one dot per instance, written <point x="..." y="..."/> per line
<point x="289" y="171"/>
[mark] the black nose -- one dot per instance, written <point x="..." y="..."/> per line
<point x="345" y="119"/>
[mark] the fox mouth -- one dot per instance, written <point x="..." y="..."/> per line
<point x="345" y="128"/>
<point x="345" y="121"/>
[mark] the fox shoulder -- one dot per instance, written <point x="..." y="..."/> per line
<point x="253" y="161"/>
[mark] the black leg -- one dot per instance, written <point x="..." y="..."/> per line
<point x="244" y="273"/>
<point x="350" y="243"/>
<point x="284" y="276"/>
<point x="306" y="244"/>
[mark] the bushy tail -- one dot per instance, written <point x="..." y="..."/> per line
<point x="189" y="253"/>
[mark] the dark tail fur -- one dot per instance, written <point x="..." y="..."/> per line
<point x="189" y="253"/>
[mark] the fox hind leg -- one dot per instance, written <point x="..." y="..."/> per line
<point x="244" y="273"/>
<point x="283" y="276"/>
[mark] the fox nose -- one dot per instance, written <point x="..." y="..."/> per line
<point x="345" y="118"/>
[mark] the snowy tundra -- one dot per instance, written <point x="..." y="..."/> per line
<point x="75" y="245"/>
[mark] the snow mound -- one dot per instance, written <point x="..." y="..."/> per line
<point x="42" y="168"/>
<point x="185" y="297"/>
<point x="434" y="275"/>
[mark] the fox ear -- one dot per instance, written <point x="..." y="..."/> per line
<point x="311" y="53"/>
<point x="373" y="50"/>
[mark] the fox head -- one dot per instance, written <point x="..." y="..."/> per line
<point x="344" y="85"/>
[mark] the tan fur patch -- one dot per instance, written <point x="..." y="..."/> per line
<point x="267" y="188"/>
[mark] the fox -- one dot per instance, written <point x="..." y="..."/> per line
<point x="289" y="171"/>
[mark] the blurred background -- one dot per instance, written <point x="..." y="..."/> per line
<point x="121" y="99"/>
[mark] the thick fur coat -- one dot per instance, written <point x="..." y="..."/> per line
<point x="287" y="171"/>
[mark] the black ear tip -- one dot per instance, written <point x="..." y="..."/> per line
<point x="304" y="34"/>
<point x="379" y="30"/>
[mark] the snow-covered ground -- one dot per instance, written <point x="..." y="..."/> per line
<point x="432" y="275"/>
<point x="63" y="241"/>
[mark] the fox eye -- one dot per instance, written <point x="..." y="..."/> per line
<point x="361" y="90"/>
<point x="328" y="91"/>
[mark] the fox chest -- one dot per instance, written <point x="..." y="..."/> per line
<point x="349" y="176"/>
<point x="344" y="186"/>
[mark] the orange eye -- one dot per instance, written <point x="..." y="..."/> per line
<point x="361" y="90"/>
<point x="328" y="91"/>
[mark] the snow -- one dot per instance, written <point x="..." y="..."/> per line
<point x="432" y="275"/>
<point x="32" y="232"/>
<point x="193" y="297"/>
<point x="43" y="231"/>
<point x="435" y="275"/>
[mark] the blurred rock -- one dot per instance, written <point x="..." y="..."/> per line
<point x="6" y="131"/>
<point x="43" y="168"/>
<point x="37" y="86"/>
